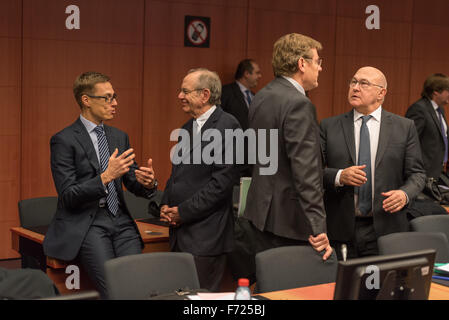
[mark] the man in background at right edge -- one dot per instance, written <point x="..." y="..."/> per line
<point x="286" y="207"/>
<point x="430" y="122"/>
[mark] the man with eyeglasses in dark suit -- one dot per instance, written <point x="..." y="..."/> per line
<point x="90" y="161"/>
<point x="373" y="168"/>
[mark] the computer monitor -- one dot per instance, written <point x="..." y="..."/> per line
<point x="404" y="276"/>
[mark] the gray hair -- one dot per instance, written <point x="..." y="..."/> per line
<point x="209" y="80"/>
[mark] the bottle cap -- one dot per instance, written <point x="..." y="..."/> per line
<point x="243" y="282"/>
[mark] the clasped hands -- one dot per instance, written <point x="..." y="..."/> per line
<point x="170" y="215"/>
<point x="355" y="176"/>
<point x="119" y="165"/>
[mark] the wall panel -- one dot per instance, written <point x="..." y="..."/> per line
<point x="10" y="129"/>
<point x="109" y="40"/>
<point x="167" y="62"/>
<point x="269" y="21"/>
<point x="388" y="49"/>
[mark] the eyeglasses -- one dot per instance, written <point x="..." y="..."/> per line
<point x="318" y="62"/>
<point x="107" y="99"/>
<point x="186" y="91"/>
<point x="364" y="84"/>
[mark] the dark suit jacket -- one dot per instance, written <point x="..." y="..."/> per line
<point x="76" y="174"/>
<point x="203" y="194"/>
<point x="233" y="102"/>
<point x="429" y="132"/>
<point x="398" y="166"/>
<point x="288" y="203"/>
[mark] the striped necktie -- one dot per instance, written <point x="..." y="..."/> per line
<point x="103" y="150"/>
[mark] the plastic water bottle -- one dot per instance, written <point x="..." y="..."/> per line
<point x="243" y="292"/>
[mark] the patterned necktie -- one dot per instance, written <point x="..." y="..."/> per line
<point x="365" y="190"/>
<point x="103" y="149"/>
<point x="440" y="116"/>
<point x="248" y="97"/>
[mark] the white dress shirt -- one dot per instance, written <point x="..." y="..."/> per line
<point x="244" y="89"/>
<point x="295" y="84"/>
<point x="373" y="125"/>
<point x="435" y="107"/>
<point x="201" y="120"/>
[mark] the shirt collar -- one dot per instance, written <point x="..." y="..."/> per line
<point x="203" y="118"/>
<point x="90" y="126"/>
<point x="434" y="104"/>
<point x="242" y="87"/>
<point x="376" y="114"/>
<point x="295" y="84"/>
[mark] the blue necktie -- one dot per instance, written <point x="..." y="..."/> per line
<point x="248" y="97"/>
<point x="365" y="190"/>
<point x="440" y="115"/>
<point x="103" y="150"/>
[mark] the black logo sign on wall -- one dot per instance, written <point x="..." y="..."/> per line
<point x="196" y="32"/>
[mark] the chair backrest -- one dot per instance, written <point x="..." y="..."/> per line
<point x="245" y="182"/>
<point x="433" y="223"/>
<point x="293" y="267"/>
<point x="402" y="242"/>
<point x="138" y="277"/>
<point x="137" y="206"/>
<point x="83" y="295"/>
<point x="35" y="212"/>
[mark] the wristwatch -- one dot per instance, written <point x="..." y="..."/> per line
<point x="154" y="184"/>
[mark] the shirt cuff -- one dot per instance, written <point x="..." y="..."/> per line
<point x="337" y="179"/>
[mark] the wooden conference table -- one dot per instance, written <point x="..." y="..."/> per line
<point x="29" y="242"/>
<point x="326" y="292"/>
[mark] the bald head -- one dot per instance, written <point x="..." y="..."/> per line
<point x="367" y="90"/>
<point x="375" y="74"/>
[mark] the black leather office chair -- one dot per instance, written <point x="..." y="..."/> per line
<point x="402" y="242"/>
<point x="141" y="208"/>
<point x="293" y="267"/>
<point x="141" y="276"/>
<point x="84" y="295"/>
<point x="436" y="223"/>
<point x="36" y="212"/>
<point x="137" y="206"/>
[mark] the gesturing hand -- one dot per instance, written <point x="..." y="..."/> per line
<point x="118" y="165"/>
<point x="145" y="175"/>
<point x="353" y="176"/>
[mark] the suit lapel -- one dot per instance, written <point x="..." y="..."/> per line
<point x="210" y="123"/>
<point x="348" y="129"/>
<point x="432" y="112"/>
<point x="384" y="135"/>
<point x="238" y="93"/>
<point x="82" y="136"/>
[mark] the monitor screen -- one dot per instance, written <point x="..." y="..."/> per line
<point x="404" y="276"/>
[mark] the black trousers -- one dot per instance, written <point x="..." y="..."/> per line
<point x="210" y="270"/>
<point x="108" y="237"/>
<point x="364" y="242"/>
<point x="248" y="242"/>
